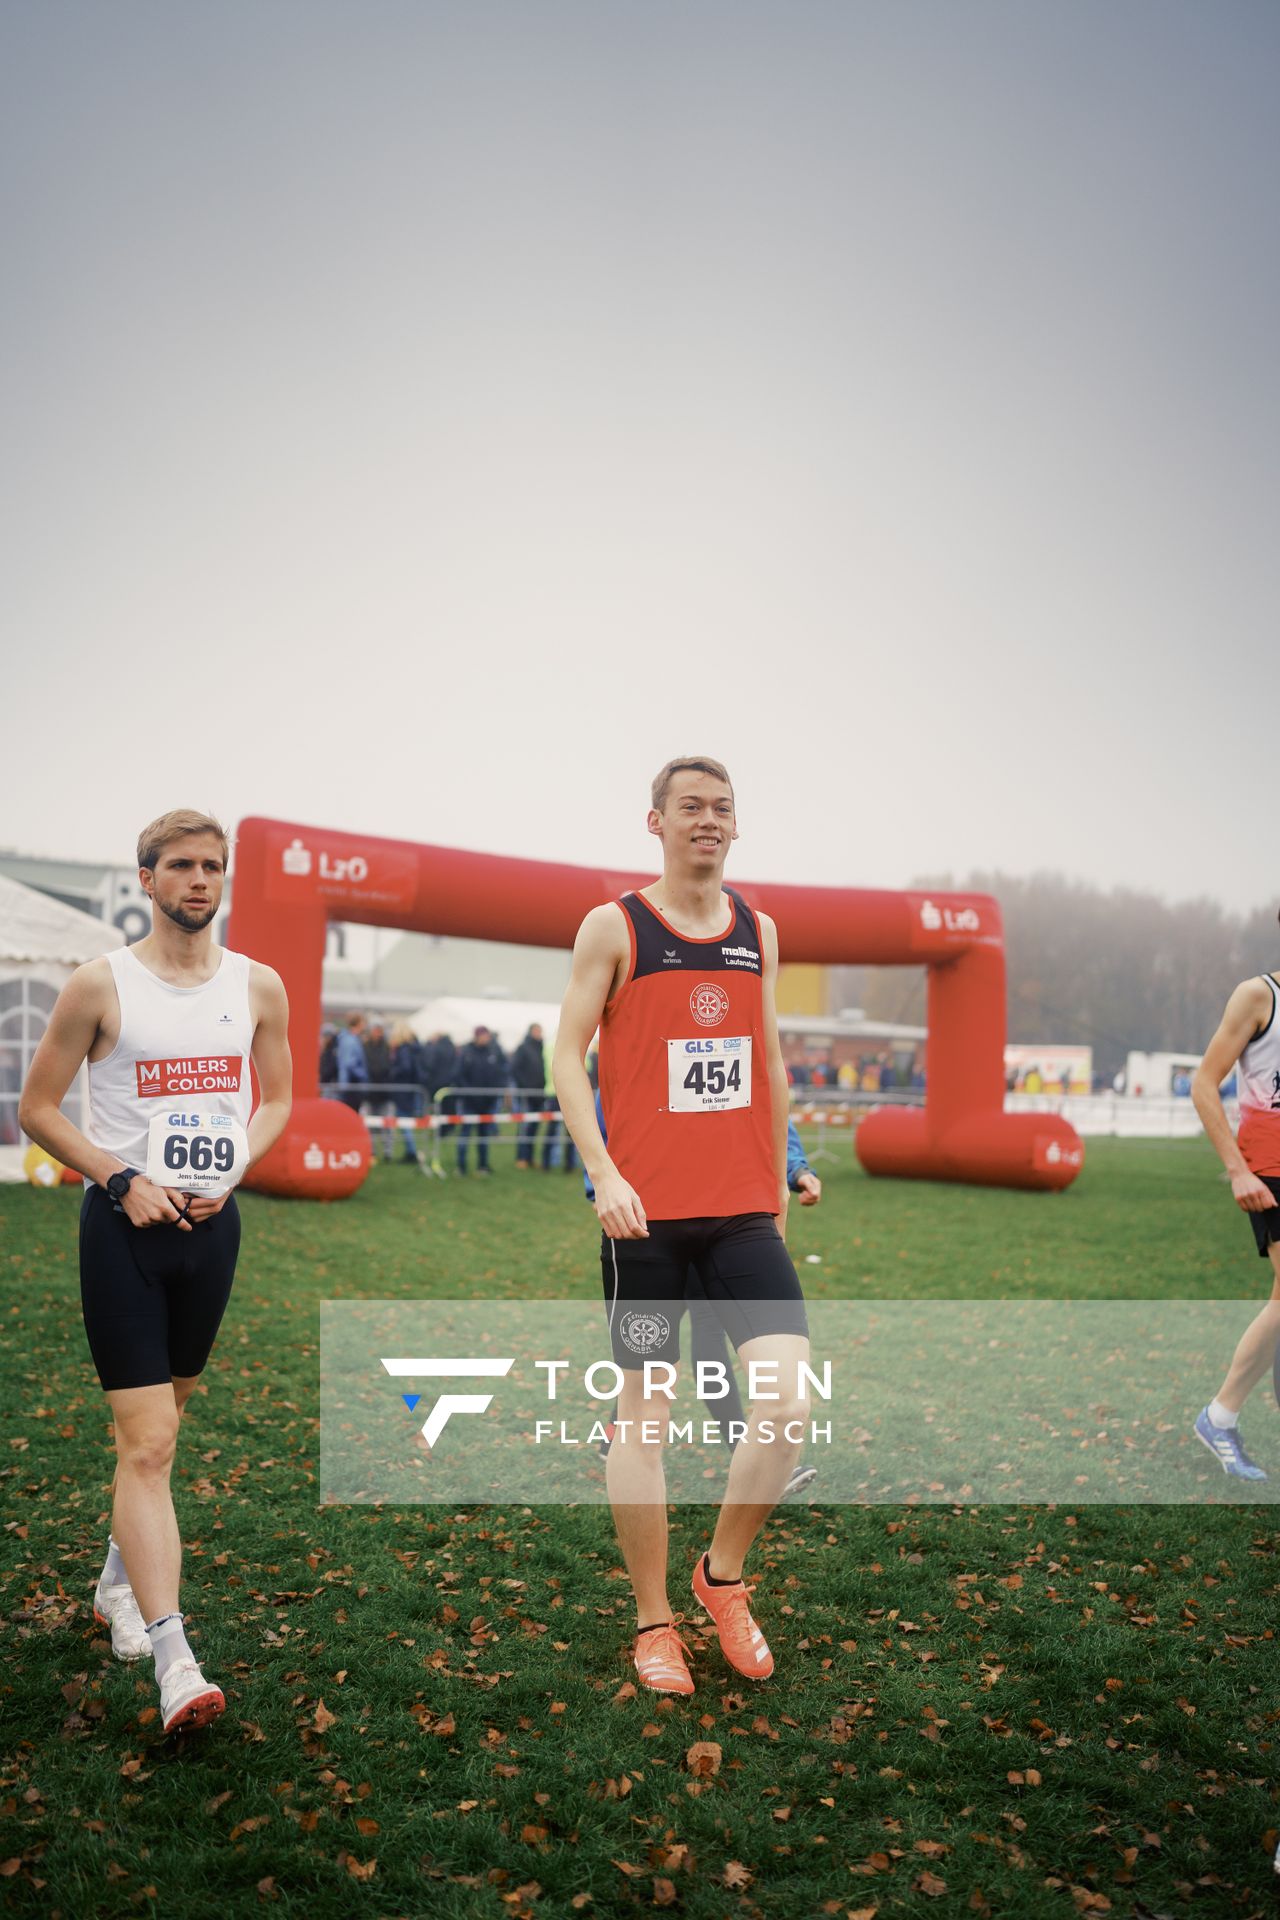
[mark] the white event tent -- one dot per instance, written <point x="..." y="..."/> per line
<point x="41" y="943"/>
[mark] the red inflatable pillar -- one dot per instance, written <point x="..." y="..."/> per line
<point x="963" y="1132"/>
<point x="324" y="1152"/>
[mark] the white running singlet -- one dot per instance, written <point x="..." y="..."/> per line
<point x="181" y="1049"/>
<point x="1258" y="1087"/>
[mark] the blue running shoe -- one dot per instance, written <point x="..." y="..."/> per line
<point x="1224" y="1444"/>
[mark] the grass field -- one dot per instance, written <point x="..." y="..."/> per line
<point x="1006" y="1711"/>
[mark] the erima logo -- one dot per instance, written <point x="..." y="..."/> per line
<point x="438" y="1418"/>
<point x="670" y="958"/>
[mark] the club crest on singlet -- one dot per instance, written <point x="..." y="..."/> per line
<point x="708" y="1003"/>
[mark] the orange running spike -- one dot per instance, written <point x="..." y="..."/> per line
<point x="741" y="1641"/>
<point x="660" y="1661"/>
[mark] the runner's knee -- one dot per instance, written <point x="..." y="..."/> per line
<point x="635" y="1405"/>
<point x="148" y="1448"/>
<point x="787" y="1408"/>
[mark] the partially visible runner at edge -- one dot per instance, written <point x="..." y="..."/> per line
<point x="1248" y="1038"/>
<point x="168" y="1027"/>
<point x="680" y="980"/>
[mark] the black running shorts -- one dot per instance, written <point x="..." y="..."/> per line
<point x="153" y="1297"/>
<point x="1266" y="1226"/>
<point x="742" y="1262"/>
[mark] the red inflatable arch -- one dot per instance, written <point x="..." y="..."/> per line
<point x="291" y="880"/>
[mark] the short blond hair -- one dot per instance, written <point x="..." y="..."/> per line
<point x="177" y="825"/>
<point x="690" y="763"/>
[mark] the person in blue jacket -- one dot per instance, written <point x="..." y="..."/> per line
<point x="706" y="1335"/>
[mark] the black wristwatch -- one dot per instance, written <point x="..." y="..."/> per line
<point x="118" y="1184"/>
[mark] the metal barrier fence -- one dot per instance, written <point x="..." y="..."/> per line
<point x="1120" y="1115"/>
<point x="521" y="1109"/>
<point x="516" y="1113"/>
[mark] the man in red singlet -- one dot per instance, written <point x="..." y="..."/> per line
<point x="680" y="978"/>
<point x="1248" y="1038"/>
<point x="168" y="1028"/>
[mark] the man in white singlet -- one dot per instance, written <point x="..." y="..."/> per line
<point x="1248" y="1038"/>
<point x="168" y="1028"/>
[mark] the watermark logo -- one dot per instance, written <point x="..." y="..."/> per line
<point x="708" y="1003"/>
<point x="450" y="1403"/>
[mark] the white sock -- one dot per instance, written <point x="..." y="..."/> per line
<point x="168" y="1643"/>
<point x="113" y="1573"/>
<point x="1222" y="1416"/>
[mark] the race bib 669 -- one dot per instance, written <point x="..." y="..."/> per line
<point x="198" y="1151"/>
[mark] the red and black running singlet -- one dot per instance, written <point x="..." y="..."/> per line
<point x="684" y="1078"/>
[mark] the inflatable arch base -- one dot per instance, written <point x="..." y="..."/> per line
<point x="323" y="1154"/>
<point x="1032" y="1150"/>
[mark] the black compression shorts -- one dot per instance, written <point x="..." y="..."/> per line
<point x="1266" y="1226"/>
<point x="153" y="1297"/>
<point x="742" y="1262"/>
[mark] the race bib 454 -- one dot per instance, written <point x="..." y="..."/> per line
<point x="709" y="1075"/>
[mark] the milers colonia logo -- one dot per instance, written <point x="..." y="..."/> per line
<point x="426" y="1369"/>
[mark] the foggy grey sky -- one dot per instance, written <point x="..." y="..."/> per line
<point x="424" y="419"/>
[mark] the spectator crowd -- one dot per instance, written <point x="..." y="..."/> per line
<point x="393" y="1076"/>
<point x="866" y="1074"/>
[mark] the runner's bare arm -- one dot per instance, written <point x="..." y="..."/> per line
<point x="600" y="956"/>
<point x="273" y="1065"/>
<point x="78" y="1014"/>
<point x="779" y="1094"/>
<point x="1246" y="1012"/>
<point x="272" y="1060"/>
